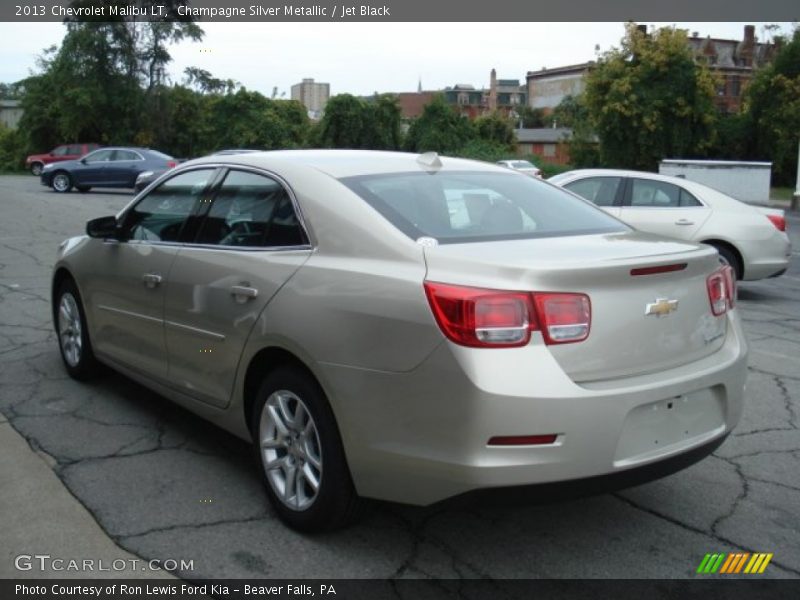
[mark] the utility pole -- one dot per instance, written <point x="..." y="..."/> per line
<point x="796" y="195"/>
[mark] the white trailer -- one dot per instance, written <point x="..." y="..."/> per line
<point x="745" y="181"/>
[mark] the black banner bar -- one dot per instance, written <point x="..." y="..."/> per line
<point x="401" y="10"/>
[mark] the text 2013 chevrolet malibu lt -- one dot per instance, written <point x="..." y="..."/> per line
<point x="405" y="327"/>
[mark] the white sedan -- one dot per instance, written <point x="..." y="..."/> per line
<point x="751" y="239"/>
<point x="523" y="166"/>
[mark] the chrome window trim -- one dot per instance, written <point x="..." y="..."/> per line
<point x="311" y="245"/>
<point x="680" y="187"/>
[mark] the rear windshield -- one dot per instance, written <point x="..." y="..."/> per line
<point x="456" y="206"/>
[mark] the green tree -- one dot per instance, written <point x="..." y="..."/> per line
<point x="773" y="105"/>
<point x="649" y="100"/>
<point x="496" y="129"/>
<point x="344" y="122"/>
<point x="439" y="129"/>
<point x="382" y="130"/>
<point x="532" y="118"/>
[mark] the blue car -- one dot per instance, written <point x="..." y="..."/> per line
<point x="106" y="167"/>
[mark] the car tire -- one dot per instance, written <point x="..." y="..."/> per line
<point x="298" y="446"/>
<point x="36" y="168"/>
<point x="73" y="333"/>
<point x="61" y="182"/>
<point x="729" y="257"/>
<point x="83" y="188"/>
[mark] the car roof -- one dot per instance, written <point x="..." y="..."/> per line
<point x="617" y="173"/>
<point x="346" y="163"/>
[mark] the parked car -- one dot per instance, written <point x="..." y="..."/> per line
<point x="523" y="166"/>
<point x="106" y="167"/>
<point x="145" y="178"/>
<point x="751" y="239"/>
<point x="36" y="162"/>
<point x="406" y="327"/>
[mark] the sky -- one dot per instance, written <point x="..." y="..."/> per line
<point x="362" y="58"/>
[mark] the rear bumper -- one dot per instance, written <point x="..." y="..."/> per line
<point x="766" y="258"/>
<point x="421" y="437"/>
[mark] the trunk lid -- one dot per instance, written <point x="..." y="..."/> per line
<point x="623" y="341"/>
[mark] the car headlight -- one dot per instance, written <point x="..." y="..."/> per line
<point x="49" y="167"/>
<point x="143" y="175"/>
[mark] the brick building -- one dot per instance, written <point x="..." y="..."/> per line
<point x="734" y="62"/>
<point x="502" y="95"/>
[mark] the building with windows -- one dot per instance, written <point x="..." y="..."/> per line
<point x="314" y="96"/>
<point x="502" y="95"/>
<point x="10" y="113"/>
<point x="548" y="87"/>
<point x="734" y="62"/>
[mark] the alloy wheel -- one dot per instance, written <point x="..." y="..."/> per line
<point x="61" y="182"/>
<point x="290" y="449"/>
<point x="69" y="329"/>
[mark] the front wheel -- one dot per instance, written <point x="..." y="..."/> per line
<point x="36" y="168"/>
<point x="62" y="182"/>
<point x="301" y="455"/>
<point x="73" y="334"/>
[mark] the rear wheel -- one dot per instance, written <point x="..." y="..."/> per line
<point x="301" y="455"/>
<point x="36" y="168"/>
<point x="62" y="182"/>
<point x="729" y="257"/>
<point x="73" y="334"/>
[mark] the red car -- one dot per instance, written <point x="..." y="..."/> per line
<point x="36" y="162"/>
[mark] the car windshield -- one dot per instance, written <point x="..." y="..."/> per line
<point x="456" y="206"/>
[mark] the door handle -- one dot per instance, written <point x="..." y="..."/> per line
<point x="151" y="280"/>
<point x="243" y="293"/>
<point x="684" y="222"/>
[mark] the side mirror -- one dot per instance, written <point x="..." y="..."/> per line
<point x="103" y="228"/>
<point x="83" y="161"/>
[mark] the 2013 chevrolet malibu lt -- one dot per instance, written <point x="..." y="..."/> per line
<point x="405" y="327"/>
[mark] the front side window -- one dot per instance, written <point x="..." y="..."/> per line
<point x="161" y="215"/>
<point x="601" y="191"/>
<point x="251" y="210"/>
<point x="478" y="206"/>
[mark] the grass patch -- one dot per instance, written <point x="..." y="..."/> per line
<point x="781" y="193"/>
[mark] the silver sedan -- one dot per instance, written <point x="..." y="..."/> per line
<point x="406" y="327"/>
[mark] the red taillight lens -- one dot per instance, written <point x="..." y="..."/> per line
<point x="477" y="317"/>
<point x="523" y="440"/>
<point x="730" y="284"/>
<point x="779" y="221"/>
<point x="171" y="164"/>
<point x="721" y="290"/>
<point x="483" y="318"/>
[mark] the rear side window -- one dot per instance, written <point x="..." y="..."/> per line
<point x="126" y="155"/>
<point x="655" y="194"/>
<point x="601" y="191"/>
<point x="251" y="210"/>
<point x="478" y="206"/>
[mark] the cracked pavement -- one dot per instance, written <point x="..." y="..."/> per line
<point x="164" y="484"/>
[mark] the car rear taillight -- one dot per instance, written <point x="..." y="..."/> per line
<point x="171" y="164"/>
<point x="484" y="318"/>
<point x="721" y="290"/>
<point x="779" y="221"/>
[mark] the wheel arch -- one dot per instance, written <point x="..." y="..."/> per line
<point x="263" y="362"/>
<point x="730" y="246"/>
<point x="61" y="275"/>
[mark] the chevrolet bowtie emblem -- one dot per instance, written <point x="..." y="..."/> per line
<point x="661" y="307"/>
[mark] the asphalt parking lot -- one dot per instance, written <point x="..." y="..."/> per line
<point x="165" y="484"/>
